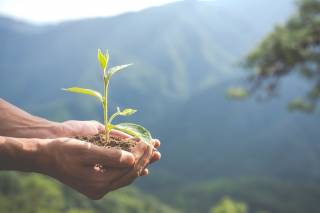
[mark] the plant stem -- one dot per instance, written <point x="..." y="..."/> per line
<point x="105" y="107"/>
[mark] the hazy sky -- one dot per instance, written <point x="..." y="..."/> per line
<point x="46" y="11"/>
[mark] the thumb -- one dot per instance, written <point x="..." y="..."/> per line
<point x="81" y="128"/>
<point x="110" y="158"/>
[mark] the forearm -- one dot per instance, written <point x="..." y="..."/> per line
<point x="21" y="154"/>
<point x="15" y="122"/>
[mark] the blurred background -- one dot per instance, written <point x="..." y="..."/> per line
<point x="229" y="87"/>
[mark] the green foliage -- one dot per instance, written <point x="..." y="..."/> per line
<point x="85" y="92"/>
<point x="227" y="205"/>
<point x="135" y="130"/>
<point x="132" y="200"/>
<point x="116" y="69"/>
<point x="132" y="129"/>
<point x="234" y="138"/>
<point x="169" y="71"/>
<point x="301" y="105"/>
<point x="237" y="93"/>
<point x="292" y="47"/>
<point x="79" y="211"/>
<point x="125" y="112"/>
<point x="257" y="194"/>
<point x="32" y="194"/>
<point x="103" y="60"/>
<point x="38" y="194"/>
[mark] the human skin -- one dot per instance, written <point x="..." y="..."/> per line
<point x="33" y="144"/>
<point x="74" y="162"/>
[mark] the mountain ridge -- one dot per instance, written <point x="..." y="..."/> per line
<point x="69" y="43"/>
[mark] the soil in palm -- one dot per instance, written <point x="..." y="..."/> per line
<point x="114" y="141"/>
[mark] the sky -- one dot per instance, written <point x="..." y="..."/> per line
<point x="53" y="11"/>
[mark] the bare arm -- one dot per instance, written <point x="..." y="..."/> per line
<point x="74" y="162"/>
<point x="18" y="123"/>
<point x="68" y="160"/>
<point x="19" y="154"/>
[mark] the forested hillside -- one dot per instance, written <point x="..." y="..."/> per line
<point x="178" y="50"/>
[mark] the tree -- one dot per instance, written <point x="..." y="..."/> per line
<point x="227" y="205"/>
<point x="291" y="48"/>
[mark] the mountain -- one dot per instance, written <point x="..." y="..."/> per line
<point x="254" y="151"/>
<point x="227" y="138"/>
<point x="186" y="55"/>
<point x="178" y="50"/>
<point x="259" y="194"/>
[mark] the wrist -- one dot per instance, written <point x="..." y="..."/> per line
<point x="22" y="154"/>
<point x="38" y="154"/>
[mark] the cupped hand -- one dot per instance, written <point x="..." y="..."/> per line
<point x="156" y="155"/>
<point x="92" y="170"/>
<point x="76" y="128"/>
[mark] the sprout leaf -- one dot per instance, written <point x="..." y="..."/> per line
<point x="85" y="92"/>
<point x="116" y="69"/>
<point x="134" y="130"/>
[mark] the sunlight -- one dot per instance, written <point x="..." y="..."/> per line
<point x="48" y="11"/>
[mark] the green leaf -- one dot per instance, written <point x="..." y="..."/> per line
<point x="116" y="69"/>
<point x="134" y="130"/>
<point x="85" y="92"/>
<point x="103" y="59"/>
<point x="125" y="112"/>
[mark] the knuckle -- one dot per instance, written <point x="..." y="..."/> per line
<point x="57" y="129"/>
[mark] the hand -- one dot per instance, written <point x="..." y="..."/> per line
<point x="92" y="170"/>
<point x="74" y="128"/>
<point x="21" y="124"/>
<point x="155" y="143"/>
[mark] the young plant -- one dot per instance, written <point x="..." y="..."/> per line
<point x="134" y="130"/>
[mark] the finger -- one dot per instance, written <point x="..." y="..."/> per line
<point x="138" y="169"/>
<point x="99" y="126"/>
<point x="142" y="152"/>
<point x="145" y="172"/>
<point x="145" y="158"/>
<point x="155" y="157"/>
<point x="124" y="180"/>
<point x="120" y="134"/>
<point x="80" y="128"/>
<point x="156" y="143"/>
<point x="111" y="157"/>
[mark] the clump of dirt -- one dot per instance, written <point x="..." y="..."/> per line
<point x="126" y="144"/>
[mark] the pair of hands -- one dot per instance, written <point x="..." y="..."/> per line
<point x="75" y="162"/>
<point x="33" y="144"/>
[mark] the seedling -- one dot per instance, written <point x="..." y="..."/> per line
<point x="132" y="129"/>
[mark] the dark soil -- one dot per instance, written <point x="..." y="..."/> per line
<point x="114" y="142"/>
